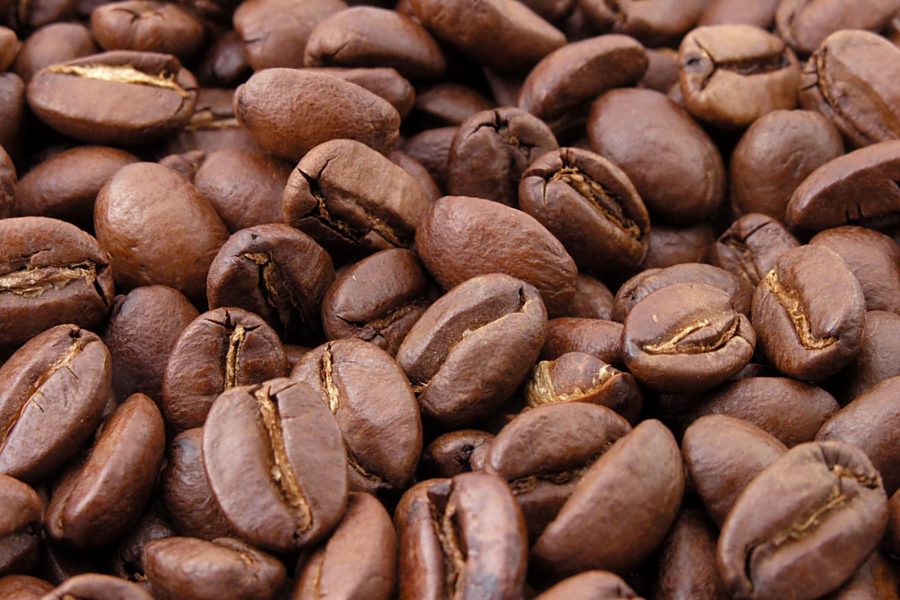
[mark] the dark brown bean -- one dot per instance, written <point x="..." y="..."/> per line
<point x="590" y="585"/>
<point x="23" y="587"/>
<point x="20" y="524"/>
<point x="654" y="22"/>
<point x="384" y="82"/>
<point x="147" y="25"/>
<point x="52" y="44"/>
<point x="876" y="359"/>
<point x="93" y="586"/>
<point x="751" y="246"/>
<point x="687" y="564"/>
<point x="459" y="451"/>
<point x="8" y="181"/>
<point x="591" y="336"/>
<point x="805" y="25"/>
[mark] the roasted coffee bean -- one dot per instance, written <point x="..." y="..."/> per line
<point x="662" y="70"/>
<point x="687" y="564"/>
<point x="185" y="491"/>
<point x="733" y="74"/>
<point x="590" y="336"/>
<point x="775" y="155"/>
<point x="590" y="205"/>
<point x="365" y="36"/>
<point x="447" y="104"/>
<point x="804" y="525"/>
<point x="751" y="247"/>
<point x="853" y="188"/>
<point x="592" y="299"/>
<point x="273" y="271"/>
<point x="9" y="47"/>
<point x="501" y="34"/>
<point x="673" y="164"/>
<point x="190" y="569"/>
<point x="59" y="564"/>
<point x="461" y="237"/>
<point x="158" y="229"/>
<point x="378" y="299"/>
<point x="686" y="338"/>
<point x="805" y="25"/>
<point x="873" y="258"/>
<point x="8" y="182"/>
<point x="639" y="481"/>
<point x="722" y="455"/>
<point x="543" y="476"/>
<point x="876" y="359"/>
<point x="491" y="151"/>
<point x="459" y="451"/>
<point x="66" y="185"/>
<point x="94" y="586"/>
<point x="50" y="272"/>
<point x="125" y="561"/>
<point x="721" y="12"/>
<point x="269" y="106"/>
<point x="290" y="489"/>
<point x="120" y="97"/>
<point x="654" y="23"/>
<point x="219" y="350"/>
<point x="432" y="149"/>
<point x="462" y="538"/>
<point x="23" y="587"/>
<point x="892" y="537"/>
<point x="670" y="246"/>
<point x="52" y="44"/>
<point x="52" y="394"/>
<point x="147" y="25"/>
<point x="358" y="561"/>
<point x="810" y="313"/>
<point x="851" y="80"/>
<point x="590" y="585"/>
<point x="275" y="31"/>
<point x="353" y="200"/>
<point x="375" y="408"/>
<point x="870" y="423"/>
<point x="214" y="127"/>
<point x="20" y="525"/>
<point x="494" y="325"/>
<point x="224" y="63"/>
<point x="384" y="82"/>
<point x="142" y="330"/>
<point x="577" y="73"/>
<point x="418" y="171"/>
<point x="876" y="578"/>
<point x="579" y="377"/>
<point x="648" y="281"/>
<point x="96" y="503"/>
<point x="12" y="110"/>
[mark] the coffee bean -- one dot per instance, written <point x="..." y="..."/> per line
<point x="733" y="74"/>
<point x="804" y="525"/>
<point x="875" y="360"/>
<point x="214" y="127"/>
<point x="418" y="171"/>
<point x="21" y="523"/>
<point x="225" y="62"/>
<point x="588" y="586"/>
<point x="267" y="105"/>
<point x="97" y="587"/>
<point x="359" y="560"/>
<point x="96" y="503"/>
<point x="494" y="325"/>
<point x="375" y="409"/>
<point x="459" y="451"/>
<point x="654" y="23"/>
<point x="219" y="350"/>
<point x="687" y="565"/>
<point x="751" y="247"/>
<point x="432" y="148"/>
<point x="662" y="70"/>
<point x="851" y="80"/>
<point x="447" y="104"/>
<point x="462" y="537"/>
<point x="276" y="272"/>
<point x="459" y="238"/>
<point x="149" y="26"/>
<point x="670" y="246"/>
<point x="52" y="273"/>
<point x="805" y="25"/>
<point x="52" y="394"/>
<point x="492" y="150"/>
<point x="875" y="578"/>
<point x="892" y="538"/>
<point x="856" y="187"/>
<point x="125" y="561"/>
<point x="721" y="12"/>
<point x="12" y="110"/>
<point x="23" y="587"/>
<point x="8" y="182"/>
<point x="291" y="488"/>
<point x="192" y="569"/>
<point x="158" y="229"/>
<point x="53" y="44"/>
<point x="101" y="91"/>
<point x="810" y="313"/>
<point x="596" y="337"/>
<point x="592" y="299"/>
<point x="590" y="205"/>
<point x="384" y="82"/>
<point x="9" y="47"/>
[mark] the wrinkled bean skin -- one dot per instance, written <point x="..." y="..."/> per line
<point x="751" y="247"/>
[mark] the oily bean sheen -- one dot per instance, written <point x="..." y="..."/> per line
<point x="579" y="72"/>
<point x="733" y="74"/>
<point x="93" y="586"/>
<point x="20" y="522"/>
<point x="276" y="272"/>
<point x="805" y="25"/>
<point x="810" y="313"/>
<point x="850" y="189"/>
<point x="51" y="272"/>
<point x="686" y="338"/>
<point x="461" y="237"/>
<point x="289" y="111"/>
<point x="181" y="568"/>
<point x="751" y="246"/>
<point x="687" y="564"/>
<point x="52" y="394"/>
<point x="276" y="464"/>
<point x="353" y="200"/>
<point x="804" y="525"/>
<point x="462" y="538"/>
<point x="852" y="79"/>
<point x="493" y="325"/>
<point x="358" y="561"/>
<point x="375" y="408"/>
<point x="121" y="97"/>
<point x="653" y="22"/>
<point x="590" y="205"/>
<point x="504" y="35"/>
<point x="158" y="229"/>
<point x="590" y="585"/>
<point x="147" y="25"/>
<point x="219" y="350"/>
<point x="97" y="502"/>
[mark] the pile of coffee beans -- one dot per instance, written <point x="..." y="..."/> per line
<point x="449" y="299"/>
